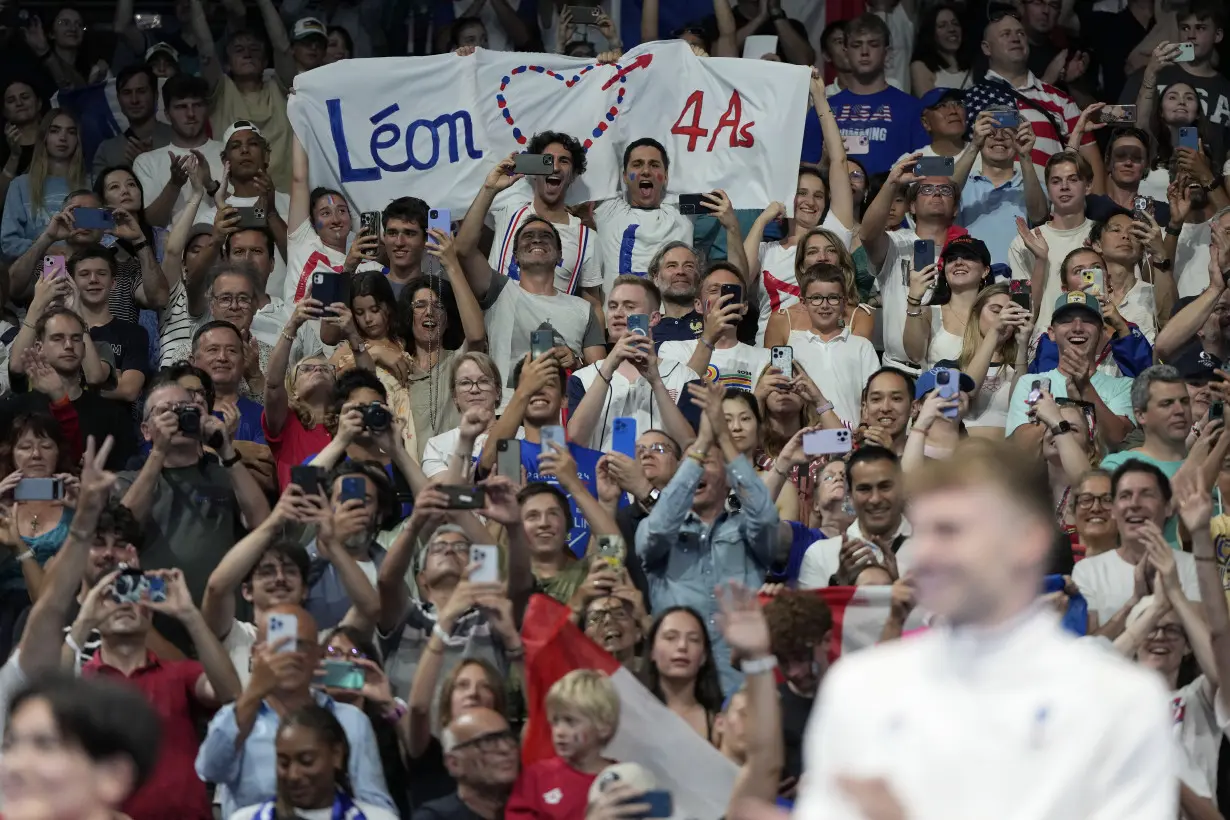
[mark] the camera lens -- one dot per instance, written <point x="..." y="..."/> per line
<point x="941" y="377"/>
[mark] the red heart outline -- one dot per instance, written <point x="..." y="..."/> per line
<point x="620" y="76"/>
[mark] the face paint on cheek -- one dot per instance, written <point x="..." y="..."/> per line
<point x="632" y="177"/>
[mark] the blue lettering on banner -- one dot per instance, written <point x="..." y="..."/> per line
<point x="387" y="135"/>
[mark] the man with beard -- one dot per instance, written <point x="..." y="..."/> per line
<point x="515" y="308"/>
<point x="217" y="348"/>
<point x="1076" y="328"/>
<point x="54" y="374"/>
<point x="481" y="753"/>
<point x="579" y="271"/>
<point x="632" y="228"/>
<point x="676" y="272"/>
<point x="879" y="535"/>
<point x="163" y="173"/>
<point x="179" y="689"/>
<point x="137" y="90"/>
<point x="886" y="404"/>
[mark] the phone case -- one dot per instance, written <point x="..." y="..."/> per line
<point x="280" y="626"/>
<point x="1189" y="137"/>
<point x="487" y="556"/>
<point x="553" y="432"/>
<point x="612" y="550"/>
<point x="639" y="323"/>
<point x="827" y="442"/>
<point x="440" y="219"/>
<point x="541" y="341"/>
<point x="950" y="390"/>
<point x="690" y="204"/>
<point x="534" y="164"/>
<point x="623" y="436"/>
<point x="508" y="458"/>
<point x="935" y="167"/>
<point x="783" y="359"/>
<point x="343" y="675"/>
<point x="924" y="253"/>
<point x="353" y="487"/>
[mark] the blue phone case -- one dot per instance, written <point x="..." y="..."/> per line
<point x="93" y="219"/>
<point x="660" y="805"/>
<point x="439" y="219"/>
<point x="623" y="436"/>
<point x="1189" y="137"/>
<point x="354" y="487"/>
<point x="951" y="390"/>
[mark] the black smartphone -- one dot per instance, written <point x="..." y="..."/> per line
<point x="1217" y="411"/>
<point x="308" y="478"/>
<point x="251" y="218"/>
<point x="935" y="167"/>
<point x="734" y="290"/>
<point x="584" y="15"/>
<point x="541" y="341"/>
<point x="327" y="288"/>
<point x="1020" y="293"/>
<point x="692" y="204"/>
<point x="924" y="253"/>
<point x="535" y="165"/>
<point x="463" y="497"/>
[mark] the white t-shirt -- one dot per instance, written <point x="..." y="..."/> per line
<point x="153" y="170"/>
<point x="277" y="279"/>
<point x="990" y="409"/>
<point x="440" y="448"/>
<point x="777" y="284"/>
<point x="1106" y="581"/>
<point x="580" y="265"/>
<point x="1191" y="259"/>
<point x="369" y="811"/>
<point x="840" y="367"/>
<point x="305" y="253"/>
<point x="629" y="237"/>
<point x="739" y="366"/>
<point x="626" y="399"/>
<point x="1140" y="308"/>
<point x="891" y="280"/>
<point x="823" y="558"/>
<point x="1199" y="724"/>
<point x="1060" y="243"/>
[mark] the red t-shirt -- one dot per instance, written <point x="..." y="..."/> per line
<point x="173" y="791"/>
<point x="549" y="790"/>
<point x="295" y="445"/>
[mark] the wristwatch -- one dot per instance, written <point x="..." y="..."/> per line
<point x="228" y="463"/>
<point x="1062" y="427"/>
<point x="139" y="245"/>
<point x="212" y="187"/>
<point x="651" y="498"/>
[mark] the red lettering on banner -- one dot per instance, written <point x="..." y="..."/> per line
<point x="740" y="132"/>
<point x="694" y="132"/>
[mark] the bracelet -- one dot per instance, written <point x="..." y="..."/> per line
<point x="824" y="408"/>
<point x="232" y="461"/>
<point x="914" y="312"/>
<point x="1208" y="558"/>
<point x="785" y="475"/>
<point x="26" y="556"/>
<point x="1173" y="231"/>
<point x="397" y="710"/>
<point x="24" y="323"/>
<point x="910" y="300"/>
<point x="72" y="644"/>
<point x="604" y="378"/>
<point x="290" y="337"/>
<point x="438" y="632"/>
<point x="707" y="343"/>
<point x="699" y="457"/>
<point x="81" y="535"/>
<point x="758" y="666"/>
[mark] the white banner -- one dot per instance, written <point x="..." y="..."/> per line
<point x="433" y="127"/>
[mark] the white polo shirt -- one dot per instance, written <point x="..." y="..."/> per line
<point x="823" y="558"/>
<point x="1020" y="722"/>
<point x="840" y="367"/>
<point x="629" y="399"/>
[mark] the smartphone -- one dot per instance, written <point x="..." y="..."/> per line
<point x="660" y="805"/>
<point x="692" y="204"/>
<point x="856" y="144"/>
<point x="308" y="478"/>
<point x="133" y="587"/>
<point x="439" y="219"/>
<point x="147" y="22"/>
<point x="1035" y="392"/>
<point x="1189" y="137"/>
<point x="93" y="219"/>
<point x="623" y="436"/>
<point x="508" y="458"/>
<point x="736" y="291"/>
<point x="948" y="385"/>
<point x="463" y="497"/>
<point x="1140" y="206"/>
<point x="1020" y="293"/>
<point x="1093" y="282"/>
<point x="583" y="16"/>
<point x="1187" y="53"/>
<point x="611" y="549"/>
<point x="639" y="323"/>
<point x="552" y="432"/>
<point x="1217" y="411"/>
<point x="281" y="626"/>
<point x="1006" y="119"/>
<point x="935" y="167"/>
<point x="327" y="288"/>
<point x="353" y="487"/>
<point x="1117" y="114"/>
<point x="783" y="359"/>
<point x="924" y="253"/>
<point x="251" y="218"/>
<point x="370" y="222"/>
<point x="534" y="165"/>
<point x="487" y="557"/>
<point x="54" y="266"/>
<point x="342" y="675"/>
<point x="541" y="341"/>
<point x="826" y="442"/>
<point x="39" y="489"/>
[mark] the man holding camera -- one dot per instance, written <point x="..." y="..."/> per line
<point x="194" y="507"/>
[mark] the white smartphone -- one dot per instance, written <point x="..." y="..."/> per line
<point x="783" y="359"/>
<point x="857" y="144"/>
<point x="826" y="442"/>
<point x="1187" y="53"/>
<point x="487" y="557"/>
<point x="283" y="626"/>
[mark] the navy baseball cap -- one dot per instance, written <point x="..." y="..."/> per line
<point x="938" y="96"/>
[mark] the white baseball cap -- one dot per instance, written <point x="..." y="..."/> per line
<point x="164" y="48"/>
<point x="309" y="27"/>
<point x="240" y="125"/>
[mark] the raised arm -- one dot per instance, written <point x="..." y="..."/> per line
<point x="649" y="21"/>
<point x="275" y="30"/>
<point x="875" y="219"/>
<point x="729" y="38"/>
<point x="177" y="239"/>
<point x="841" y="196"/>
<point x="211" y="64"/>
<point x="477" y="269"/>
<point x="445" y="249"/>
<point x="1195" y="504"/>
<point x="277" y="401"/>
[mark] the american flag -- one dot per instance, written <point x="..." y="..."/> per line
<point x="1062" y="111"/>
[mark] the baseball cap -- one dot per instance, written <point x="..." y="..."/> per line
<point x="164" y="48"/>
<point x="1195" y="364"/>
<point x="309" y="27"/>
<point x="938" y="96"/>
<point x="927" y="379"/>
<point x="1076" y="300"/>
<point x="236" y="127"/>
<point x="967" y="247"/>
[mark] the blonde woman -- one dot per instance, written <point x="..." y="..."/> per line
<point x="994" y="352"/>
<point x="820" y="245"/>
<point x="56" y="170"/>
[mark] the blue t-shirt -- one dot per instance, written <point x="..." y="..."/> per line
<point x="890" y="119"/>
<point x="250" y="421"/>
<point x="587" y="468"/>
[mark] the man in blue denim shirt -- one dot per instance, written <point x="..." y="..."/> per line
<point x="239" y="751"/>
<point x="699" y="534"/>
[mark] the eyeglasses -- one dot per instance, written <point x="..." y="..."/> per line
<point x="646" y="449"/>
<point x="818" y="299"/>
<point x="471" y="385"/>
<point x="197" y="393"/>
<point x="445" y="547"/>
<point x="1085" y="500"/>
<point x="930" y="189"/>
<point x="316" y="368"/>
<point x="232" y="299"/>
<point x="601" y="616"/>
<point x="351" y="654"/>
<point x="423" y="307"/>
<point x="1171" y="632"/>
<point x="857" y="175"/>
<point x="490" y="742"/>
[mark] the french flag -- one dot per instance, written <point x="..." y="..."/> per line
<point x="649" y="733"/>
